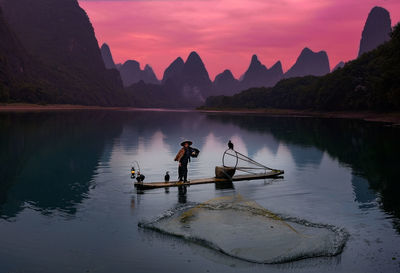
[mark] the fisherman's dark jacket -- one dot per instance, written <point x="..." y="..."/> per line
<point x="183" y="155"/>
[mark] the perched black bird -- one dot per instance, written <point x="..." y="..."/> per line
<point x="230" y="145"/>
<point x="140" y="177"/>
<point x="166" y="177"/>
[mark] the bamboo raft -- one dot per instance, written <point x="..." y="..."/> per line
<point x="242" y="177"/>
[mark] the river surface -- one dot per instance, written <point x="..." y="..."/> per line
<point x="68" y="204"/>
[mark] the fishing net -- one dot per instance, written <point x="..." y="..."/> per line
<point x="240" y="162"/>
<point x="245" y="230"/>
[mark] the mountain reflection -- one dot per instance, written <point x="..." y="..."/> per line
<point x="47" y="160"/>
<point x="370" y="149"/>
<point x="50" y="160"/>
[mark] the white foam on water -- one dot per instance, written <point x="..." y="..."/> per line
<point x="247" y="231"/>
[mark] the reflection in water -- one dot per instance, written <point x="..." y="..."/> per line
<point x="303" y="155"/>
<point x="133" y="205"/>
<point x="370" y="149"/>
<point x="76" y="166"/>
<point x="182" y="197"/>
<point x="48" y="160"/>
<point x="363" y="193"/>
<point x="224" y="185"/>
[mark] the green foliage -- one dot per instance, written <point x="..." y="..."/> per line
<point x="371" y="82"/>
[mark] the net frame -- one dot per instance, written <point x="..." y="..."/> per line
<point x="253" y="169"/>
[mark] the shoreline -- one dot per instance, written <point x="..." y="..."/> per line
<point x="26" y="107"/>
<point x="392" y="117"/>
<point x="37" y="107"/>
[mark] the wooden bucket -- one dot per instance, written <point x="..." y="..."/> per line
<point x="224" y="172"/>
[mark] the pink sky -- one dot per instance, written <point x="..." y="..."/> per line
<point x="226" y="33"/>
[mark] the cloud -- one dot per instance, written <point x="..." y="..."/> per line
<point x="227" y="32"/>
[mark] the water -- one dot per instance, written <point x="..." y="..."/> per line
<point x="67" y="203"/>
<point x="244" y="230"/>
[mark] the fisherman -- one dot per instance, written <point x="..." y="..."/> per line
<point x="183" y="157"/>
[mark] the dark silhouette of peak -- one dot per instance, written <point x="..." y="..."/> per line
<point x="256" y="65"/>
<point x="225" y="76"/>
<point x="195" y="76"/>
<point x="132" y="64"/>
<point x="339" y="65"/>
<point x="131" y="73"/>
<point x="194" y="57"/>
<point x="225" y="84"/>
<point x="255" y="73"/>
<point x="55" y="31"/>
<point x="188" y="80"/>
<point x="309" y="63"/>
<point x="107" y="56"/>
<point x="376" y="31"/>
<point x="147" y="67"/>
<point x="149" y="76"/>
<point x="258" y="75"/>
<point x="254" y="60"/>
<point x="59" y="36"/>
<point x="277" y="68"/>
<point x="306" y="51"/>
<point x="194" y="70"/>
<point x="173" y="73"/>
<point x="178" y="61"/>
<point x="275" y="74"/>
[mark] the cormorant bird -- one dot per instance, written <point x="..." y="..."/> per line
<point x="230" y="145"/>
<point x="140" y="177"/>
<point x="166" y="177"/>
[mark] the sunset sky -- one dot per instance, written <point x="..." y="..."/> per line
<point x="226" y="33"/>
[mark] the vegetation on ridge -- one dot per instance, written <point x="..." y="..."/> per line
<point x="371" y="82"/>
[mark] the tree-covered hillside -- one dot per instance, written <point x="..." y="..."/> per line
<point x="59" y="58"/>
<point x="371" y="82"/>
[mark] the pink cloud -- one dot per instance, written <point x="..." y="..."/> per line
<point x="227" y="32"/>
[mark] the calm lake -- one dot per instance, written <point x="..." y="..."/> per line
<point x="68" y="204"/>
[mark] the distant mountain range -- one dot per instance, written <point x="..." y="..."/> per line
<point x="371" y="82"/>
<point x="184" y="85"/>
<point x="49" y="54"/>
<point x="192" y="79"/>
